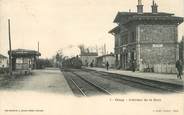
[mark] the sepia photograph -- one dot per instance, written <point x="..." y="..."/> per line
<point x="91" y="57"/>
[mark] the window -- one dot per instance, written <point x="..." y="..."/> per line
<point x="133" y="37"/>
<point x="116" y="42"/>
<point x="126" y="39"/>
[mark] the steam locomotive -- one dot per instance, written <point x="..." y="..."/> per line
<point x="74" y="62"/>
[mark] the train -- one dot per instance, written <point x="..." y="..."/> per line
<point x="74" y="62"/>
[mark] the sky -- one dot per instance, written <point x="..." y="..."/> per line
<point x="60" y="24"/>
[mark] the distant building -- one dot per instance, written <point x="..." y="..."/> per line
<point x="102" y="60"/>
<point x="3" y="61"/>
<point x="149" y="38"/>
<point x="88" y="57"/>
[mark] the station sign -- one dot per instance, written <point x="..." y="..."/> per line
<point x="157" y="45"/>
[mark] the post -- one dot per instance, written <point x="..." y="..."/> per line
<point x="34" y="63"/>
<point x="38" y="46"/>
<point x="10" y="50"/>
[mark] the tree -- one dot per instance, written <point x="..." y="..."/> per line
<point x="59" y="57"/>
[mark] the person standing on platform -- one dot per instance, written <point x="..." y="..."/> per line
<point x="133" y="65"/>
<point x="107" y="65"/>
<point x="179" y="68"/>
<point x="91" y="65"/>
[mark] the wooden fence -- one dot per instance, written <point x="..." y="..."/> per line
<point x="159" y="68"/>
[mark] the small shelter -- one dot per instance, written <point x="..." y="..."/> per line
<point x="24" y="60"/>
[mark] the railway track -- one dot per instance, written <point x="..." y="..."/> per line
<point x="82" y="86"/>
<point x="137" y="82"/>
<point x="81" y="91"/>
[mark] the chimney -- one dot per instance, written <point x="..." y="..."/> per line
<point x="139" y="7"/>
<point x="154" y="8"/>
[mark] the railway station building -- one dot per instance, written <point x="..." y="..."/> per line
<point x="181" y="50"/>
<point x="148" y="38"/>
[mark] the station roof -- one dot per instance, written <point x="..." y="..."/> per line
<point x="24" y="53"/>
<point x="2" y="56"/>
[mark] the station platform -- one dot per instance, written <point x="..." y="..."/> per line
<point x="168" y="78"/>
<point x="47" y="81"/>
<point x="3" y="76"/>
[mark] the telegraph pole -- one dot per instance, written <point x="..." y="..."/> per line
<point x="10" y="50"/>
<point x="37" y="57"/>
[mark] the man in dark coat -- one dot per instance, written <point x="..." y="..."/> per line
<point x="133" y="65"/>
<point x="179" y="68"/>
<point x="107" y="65"/>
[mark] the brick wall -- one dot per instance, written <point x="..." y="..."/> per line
<point x="158" y="55"/>
<point x="158" y="46"/>
<point x="158" y="33"/>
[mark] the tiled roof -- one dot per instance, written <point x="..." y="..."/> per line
<point x="146" y="14"/>
<point x="127" y="17"/>
<point x="116" y="29"/>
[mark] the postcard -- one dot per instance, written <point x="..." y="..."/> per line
<point x="91" y="57"/>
